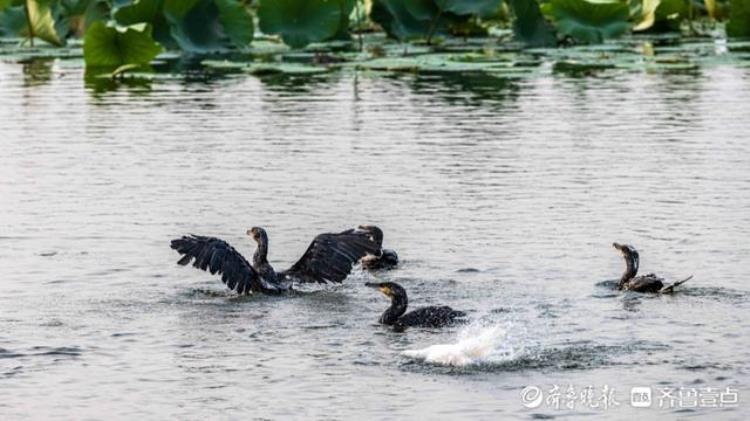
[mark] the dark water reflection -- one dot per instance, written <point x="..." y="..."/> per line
<point x="501" y="195"/>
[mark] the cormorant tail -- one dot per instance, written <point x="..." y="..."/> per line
<point x="670" y="288"/>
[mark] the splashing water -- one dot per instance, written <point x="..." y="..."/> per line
<point x="477" y="344"/>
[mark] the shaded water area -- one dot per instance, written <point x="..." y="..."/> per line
<point x="502" y="197"/>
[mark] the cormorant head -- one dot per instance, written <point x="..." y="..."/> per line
<point x="630" y="254"/>
<point x="391" y="290"/>
<point x="389" y="257"/>
<point x="258" y="234"/>
<point x="375" y="232"/>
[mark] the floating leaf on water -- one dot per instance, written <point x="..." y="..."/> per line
<point x="224" y="65"/>
<point x="259" y="68"/>
<point x="440" y="63"/>
<point x="397" y="64"/>
<point x="335" y="45"/>
<point x="267" y="47"/>
<point x="572" y="66"/>
<point x="284" y="68"/>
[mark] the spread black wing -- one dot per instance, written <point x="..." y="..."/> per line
<point x="330" y="257"/>
<point x="216" y="256"/>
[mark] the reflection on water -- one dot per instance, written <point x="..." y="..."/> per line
<point x="502" y="196"/>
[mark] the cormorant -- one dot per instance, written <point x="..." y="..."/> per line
<point x="433" y="316"/>
<point x="646" y="283"/>
<point x="329" y="258"/>
<point x="388" y="259"/>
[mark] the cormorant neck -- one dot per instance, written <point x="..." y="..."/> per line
<point x="630" y="271"/>
<point x="261" y="253"/>
<point x="396" y="310"/>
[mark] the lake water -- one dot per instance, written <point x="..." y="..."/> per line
<point x="502" y="197"/>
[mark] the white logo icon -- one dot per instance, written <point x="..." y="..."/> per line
<point x="640" y="397"/>
<point x="531" y="397"/>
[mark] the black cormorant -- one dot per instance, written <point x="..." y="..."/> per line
<point x="646" y="283"/>
<point x="388" y="259"/>
<point x="433" y="316"/>
<point x="329" y="258"/>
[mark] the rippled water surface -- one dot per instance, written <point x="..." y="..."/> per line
<point x="501" y="196"/>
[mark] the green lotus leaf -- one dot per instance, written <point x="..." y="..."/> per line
<point x="444" y="63"/>
<point x="13" y="22"/>
<point x="669" y="14"/>
<point x="112" y="47"/>
<point x="530" y="26"/>
<point x="480" y="8"/>
<point x="148" y="11"/>
<point x="195" y="25"/>
<point x="39" y="23"/>
<point x="739" y="19"/>
<point x="590" y="22"/>
<point x="347" y="6"/>
<point x="284" y="68"/>
<point x="407" y="22"/>
<point x="75" y="16"/>
<point x="300" y="22"/>
<point x="424" y="10"/>
<point x="237" y="21"/>
<point x="137" y="12"/>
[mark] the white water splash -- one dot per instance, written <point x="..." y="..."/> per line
<point x="476" y="344"/>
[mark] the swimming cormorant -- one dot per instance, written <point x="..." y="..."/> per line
<point x="646" y="283"/>
<point x="388" y="259"/>
<point x="329" y="258"/>
<point x="433" y="316"/>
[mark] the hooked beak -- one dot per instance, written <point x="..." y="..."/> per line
<point x="618" y="246"/>
<point x="384" y="289"/>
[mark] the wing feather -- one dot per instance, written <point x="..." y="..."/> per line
<point x="217" y="256"/>
<point x="330" y="257"/>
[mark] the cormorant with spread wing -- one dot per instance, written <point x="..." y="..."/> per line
<point x="396" y="316"/>
<point x="329" y="258"/>
<point x="645" y="283"/>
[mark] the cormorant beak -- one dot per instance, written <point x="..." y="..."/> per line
<point x="618" y="246"/>
<point x="384" y="289"/>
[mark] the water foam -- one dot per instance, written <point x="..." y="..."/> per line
<point x="477" y="344"/>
